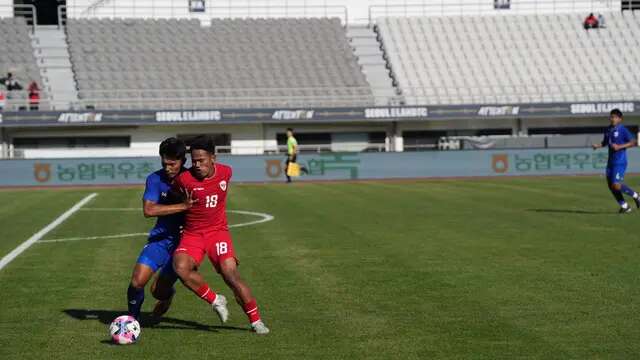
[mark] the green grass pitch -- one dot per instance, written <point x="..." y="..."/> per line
<point x="539" y="268"/>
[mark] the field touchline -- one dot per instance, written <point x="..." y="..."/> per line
<point x="263" y="219"/>
<point x="44" y="231"/>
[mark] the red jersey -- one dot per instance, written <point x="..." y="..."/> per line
<point x="209" y="212"/>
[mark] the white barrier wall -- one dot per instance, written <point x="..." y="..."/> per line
<point x="358" y="11"/>
<point x="6" y="8"/>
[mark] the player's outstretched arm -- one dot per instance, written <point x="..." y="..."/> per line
<point x="627" y="145"/>
<point x="152" y="209"/>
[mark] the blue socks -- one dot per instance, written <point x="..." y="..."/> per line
<point x="618" y="196"/>
<point x="629" y="191"/>
<point x="135" y="298"/>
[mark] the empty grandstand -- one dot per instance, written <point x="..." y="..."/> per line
<point x="513" y="59"/>
<point x="240" y="62"/>
<point x="382" y="78"/>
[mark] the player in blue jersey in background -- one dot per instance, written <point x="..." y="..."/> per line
<point x="618" y="139"/>
<point x="159" y="201"/>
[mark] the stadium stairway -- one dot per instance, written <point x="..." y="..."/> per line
<point x="52" y="55"/>
<point x="370" y="57"/>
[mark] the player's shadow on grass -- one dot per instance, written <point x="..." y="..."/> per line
<point x="571" y="211"/>
<point x="147" y="321"/>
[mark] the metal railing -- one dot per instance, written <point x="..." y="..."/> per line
<point x="530" y="93"/>
<point x="630" y="5"/>
<point x="457" y="8"/>
<point x="123" y="102"/>
<point x="18" y="100"/>
<point x="182" y="103"/>
<point x="420" y="147"/>
<point x="525" y="93"/>
<point x="294" y="97"/>
<point x="27" y="11"/>
<point x="302" y="149"/>
<point x="180" y="9"/>
<point x="62" y="16"/>
<point x="232" y="97"/>
<point x="265" y="11"/>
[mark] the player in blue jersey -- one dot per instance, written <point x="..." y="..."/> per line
<point x="159" y="201"/>
<point x="618" y="139"/>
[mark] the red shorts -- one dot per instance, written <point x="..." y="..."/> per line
<point x="216" y="244"/>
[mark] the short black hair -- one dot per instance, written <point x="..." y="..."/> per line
<point x="290" y="129"/>
<point x="173" y="148"/>
<point x="616" y="112"/>
<point x="203" y="142"/>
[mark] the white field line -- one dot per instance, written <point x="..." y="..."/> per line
<point x="112" y="209"/>
<point x="44" y="231"/>
<point x="263" y="218"/>
<point x="95" y="237"/>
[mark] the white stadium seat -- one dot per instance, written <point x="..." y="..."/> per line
<point x="521" y="58"/>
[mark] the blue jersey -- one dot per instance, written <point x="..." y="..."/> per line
<point x="158" y="190"/>
<point x="616" y="135"/>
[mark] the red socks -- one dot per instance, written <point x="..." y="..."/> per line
<point x="251" y="309"/>
<point x="207" y="294"/>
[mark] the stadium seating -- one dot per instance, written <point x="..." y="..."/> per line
<point x="513" y="59"/>
<point x="248" y="62"/>
<point x="17" y="57"/>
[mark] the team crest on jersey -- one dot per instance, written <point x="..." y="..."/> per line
<point x="223" y="185"/>
<point x="615" y="134"/>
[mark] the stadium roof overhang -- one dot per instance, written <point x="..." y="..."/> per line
<point x="313" y="115"/>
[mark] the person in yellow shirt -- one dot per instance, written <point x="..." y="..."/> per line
<point x="292" y="153"/>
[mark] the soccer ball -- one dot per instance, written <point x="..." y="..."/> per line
<point x="124" y="330"/>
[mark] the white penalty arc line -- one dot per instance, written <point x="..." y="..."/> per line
<point x="264" y="218"/>
<point x="44" y="231"/>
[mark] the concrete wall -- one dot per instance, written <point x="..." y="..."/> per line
<point x="358" y="10"/>
<point x="247" y="139"/>
<point x="6" y="9"/>
<point x="256" y="139"/>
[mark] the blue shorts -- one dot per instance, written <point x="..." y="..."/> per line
<point x="615" y="173"/>
<point x="158" y="255"/>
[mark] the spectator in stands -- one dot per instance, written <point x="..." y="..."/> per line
<point x="11" y="83"/>
<point x="600" y="21"/>
<point x="34" y="95"/>
<point x="591" y="22"/>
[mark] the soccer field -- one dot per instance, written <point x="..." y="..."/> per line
<point x="462" y="269"/>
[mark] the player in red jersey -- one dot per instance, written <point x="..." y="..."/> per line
<point x="206" y="232"/>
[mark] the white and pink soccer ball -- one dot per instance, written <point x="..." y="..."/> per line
<point x="124" y="330"/>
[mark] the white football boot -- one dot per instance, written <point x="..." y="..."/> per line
<point x="219" y="305"/>
<point x="259" y="328"/>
